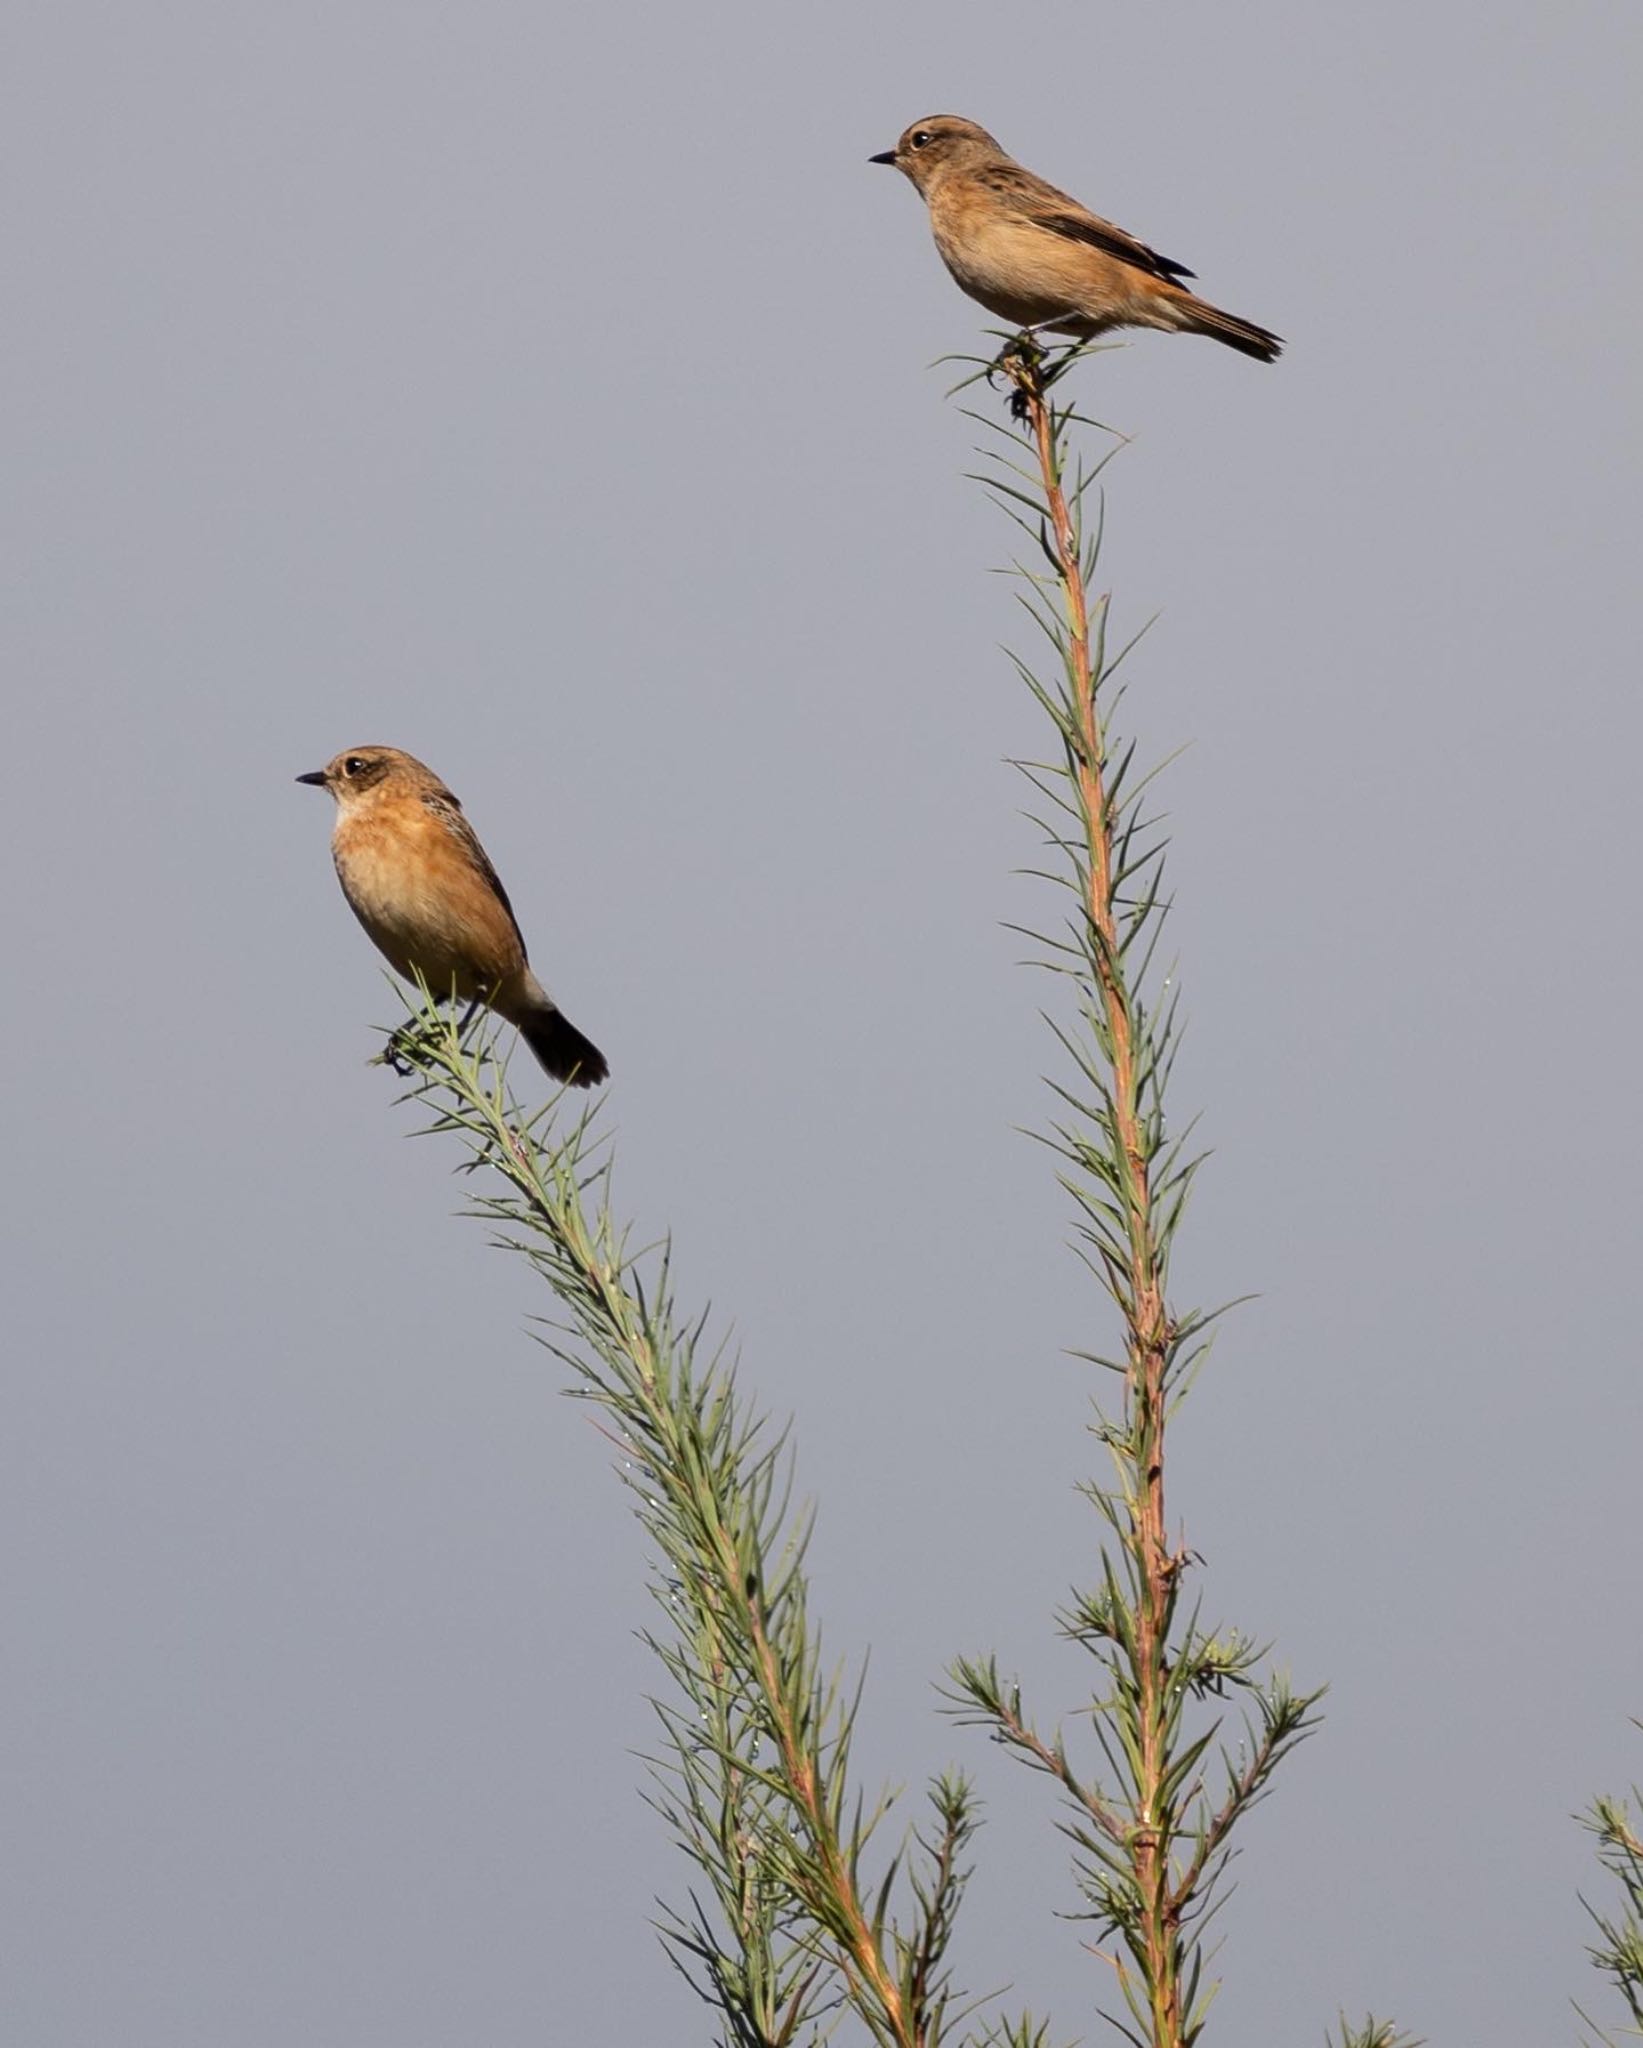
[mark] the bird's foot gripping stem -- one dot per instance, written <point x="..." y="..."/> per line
<point x="399" y="1054"/>
<point x="1017" y="362"/>
<point x="409" y="1040"/>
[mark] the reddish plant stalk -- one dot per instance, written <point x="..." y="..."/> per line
<point x="1147" y="1336"/>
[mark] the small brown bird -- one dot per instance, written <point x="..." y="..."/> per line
<point x="418" y="880"/>
<point x="1037" y="258"/>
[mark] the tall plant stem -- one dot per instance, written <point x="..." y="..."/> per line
<point x="1147" y="1334"/>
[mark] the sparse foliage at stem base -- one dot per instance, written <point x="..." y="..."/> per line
<point x="1373" y="2033"/>
<point x="1618" y="1951"/>
<point x="1152" y="1814"/>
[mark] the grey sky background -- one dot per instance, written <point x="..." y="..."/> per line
<point x="546" y="392"/>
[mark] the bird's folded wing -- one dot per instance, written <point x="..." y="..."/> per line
<point x="450" y="814"/>
<point x="1088" y="227"/>
<point x="1045" y="207"/>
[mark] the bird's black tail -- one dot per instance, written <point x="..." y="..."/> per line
<point x="562" y="1049"/>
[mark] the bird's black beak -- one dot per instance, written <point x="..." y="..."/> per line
<point x="316" y="777"/>
<point x="885" y="156"/>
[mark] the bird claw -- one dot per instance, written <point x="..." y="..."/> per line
<point x="397" y="1053"/>
<point x="1020" y="358"/>
<point x="406" y="1048"/>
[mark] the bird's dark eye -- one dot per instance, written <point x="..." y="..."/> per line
<point x="356" y="764"/>
<point x="922" y="139"/>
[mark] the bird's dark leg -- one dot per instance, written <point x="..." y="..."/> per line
<point x="414" y="1037"/>
<point x="397" y="1053"/>
<point x="1020" y="347"/>
<point x="1019" y="361"/>
<point x="1022" y="354"/>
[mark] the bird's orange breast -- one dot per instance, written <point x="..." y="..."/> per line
<point x="425" y="905"/>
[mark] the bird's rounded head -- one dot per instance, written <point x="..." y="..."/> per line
<point x="360" y="771"/>
<point x="938" y="144"/>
